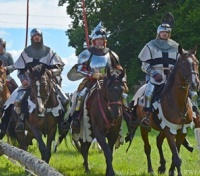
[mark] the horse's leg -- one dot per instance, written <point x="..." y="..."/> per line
<point x="50" y="137"/>
<point x="107" y="149"/>
<point x="176" y="161"/>
<point x="84" y="149"/>
<point x="159" y="140"/>
<point x="38" y="136"/>
<point x="147" y="149"/>
<point x="60" y="139"/>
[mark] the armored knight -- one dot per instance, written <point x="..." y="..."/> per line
<point x="91" y="66"/>
<point x="7" y="62"/>
<point x="36" y="53"/>
<point x="158" y="59"/>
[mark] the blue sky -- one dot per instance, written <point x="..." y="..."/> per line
<point x="43" y="14"/>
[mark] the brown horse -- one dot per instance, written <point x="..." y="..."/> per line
<point x="104" y="107"/>
<point x="4" y="90"/>
<point x="44" y="117"/>
<point x="172" y="115"/>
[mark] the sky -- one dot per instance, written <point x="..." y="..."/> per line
<point x="45" y="15"/>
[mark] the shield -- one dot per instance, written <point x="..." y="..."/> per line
<point x="72" y="75"/>
<point x="168" y="18"/>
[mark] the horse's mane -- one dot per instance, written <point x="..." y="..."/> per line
<point x="170" y="79"/>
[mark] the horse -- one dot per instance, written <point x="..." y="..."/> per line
<point x="173" y="113"/>
<point x="4" y="90"/>
<point x="104" y="109"/>
<point x="43" y="117"/>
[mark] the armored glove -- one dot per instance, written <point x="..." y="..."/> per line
<point x="158" y="77"/>
<point x="97" y="76"/>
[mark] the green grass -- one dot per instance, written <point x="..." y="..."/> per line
<point x="69" y="162"/>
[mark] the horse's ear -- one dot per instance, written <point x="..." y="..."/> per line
<point x="194" y="50"/>
<point x="180" y="49"/>
<point x="123" y="74"/>
<point x="30" y="69"/>
<point x="43" y="68"/>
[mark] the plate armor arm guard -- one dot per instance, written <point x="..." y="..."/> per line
<point x="147" y="68"/>
<point x="193" y="96"/>
<point x="80" y="97"/>
<point x="64" y="99"/>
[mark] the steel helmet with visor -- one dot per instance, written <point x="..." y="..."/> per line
<point x="98" y="32"/>
<point x="164" y="27"/>
<point x="36" y="31"/>
<point x="2" y="42"/>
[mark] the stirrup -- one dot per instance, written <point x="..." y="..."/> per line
<point x="65" y="126"/>
<point x="145" y="123"/>
<point x="19" y="127"/>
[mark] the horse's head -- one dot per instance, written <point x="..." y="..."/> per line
<point x="2" y="76"/>
<point x="40" y="86"/>
<point x="190" y="67"/>
<point x="114" y="86"/>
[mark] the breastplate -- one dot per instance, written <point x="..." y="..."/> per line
<point x="99" y="63"/>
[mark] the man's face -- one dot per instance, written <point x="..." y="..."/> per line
<point x="37" y="38"/>
<point x="99" y="42"/>
<point x="164" y="35"/>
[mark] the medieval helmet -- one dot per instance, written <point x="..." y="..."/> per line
<point x="164" y="27"/>
<point x="98" y="32"/>
<point x="3" y="42"/>
<point x="36" y="31"/>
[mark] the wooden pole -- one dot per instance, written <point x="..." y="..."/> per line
<point x="27" y="17"/>
<point x="85" y="24"/>
<point x="28" y="160"/>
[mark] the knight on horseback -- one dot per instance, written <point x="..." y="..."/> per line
<point x="8" y="62"/>
<point x="158" y="59"/>
<point x="91" y="66"/>
<point x="36" y="53"/>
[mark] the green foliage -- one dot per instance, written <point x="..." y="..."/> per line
<point x="131" y="24"/>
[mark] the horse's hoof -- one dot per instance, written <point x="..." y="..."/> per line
<point x="161" y="170"/>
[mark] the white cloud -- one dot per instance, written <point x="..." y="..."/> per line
<point x="42" y="14"/>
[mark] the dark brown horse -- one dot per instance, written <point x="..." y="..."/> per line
<point x="44" y="117"/>
<point x="172" y="114"/>
<point x="105" y="117"/>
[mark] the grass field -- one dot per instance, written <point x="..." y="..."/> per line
<point x="133" y="163"/>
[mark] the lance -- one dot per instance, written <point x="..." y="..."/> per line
<point x="85" y="24"/>
<point x="27" y="15"/>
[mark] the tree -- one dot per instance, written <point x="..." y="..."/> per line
<point x="132" y="23"/>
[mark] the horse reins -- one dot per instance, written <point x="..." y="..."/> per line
<point x="108" y="124"/>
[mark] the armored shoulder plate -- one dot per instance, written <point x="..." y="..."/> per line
<point x="84" y="56"/>
<point x="115" y="55"/>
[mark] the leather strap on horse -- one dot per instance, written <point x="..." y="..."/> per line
<point x="102" y="112"/>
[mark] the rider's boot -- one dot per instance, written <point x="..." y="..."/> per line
<point x="145" y="122"/>
<point x="20" y="123"/>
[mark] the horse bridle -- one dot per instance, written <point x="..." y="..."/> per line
<point x="183" y="70"/>
<point x="119" y="102"/>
